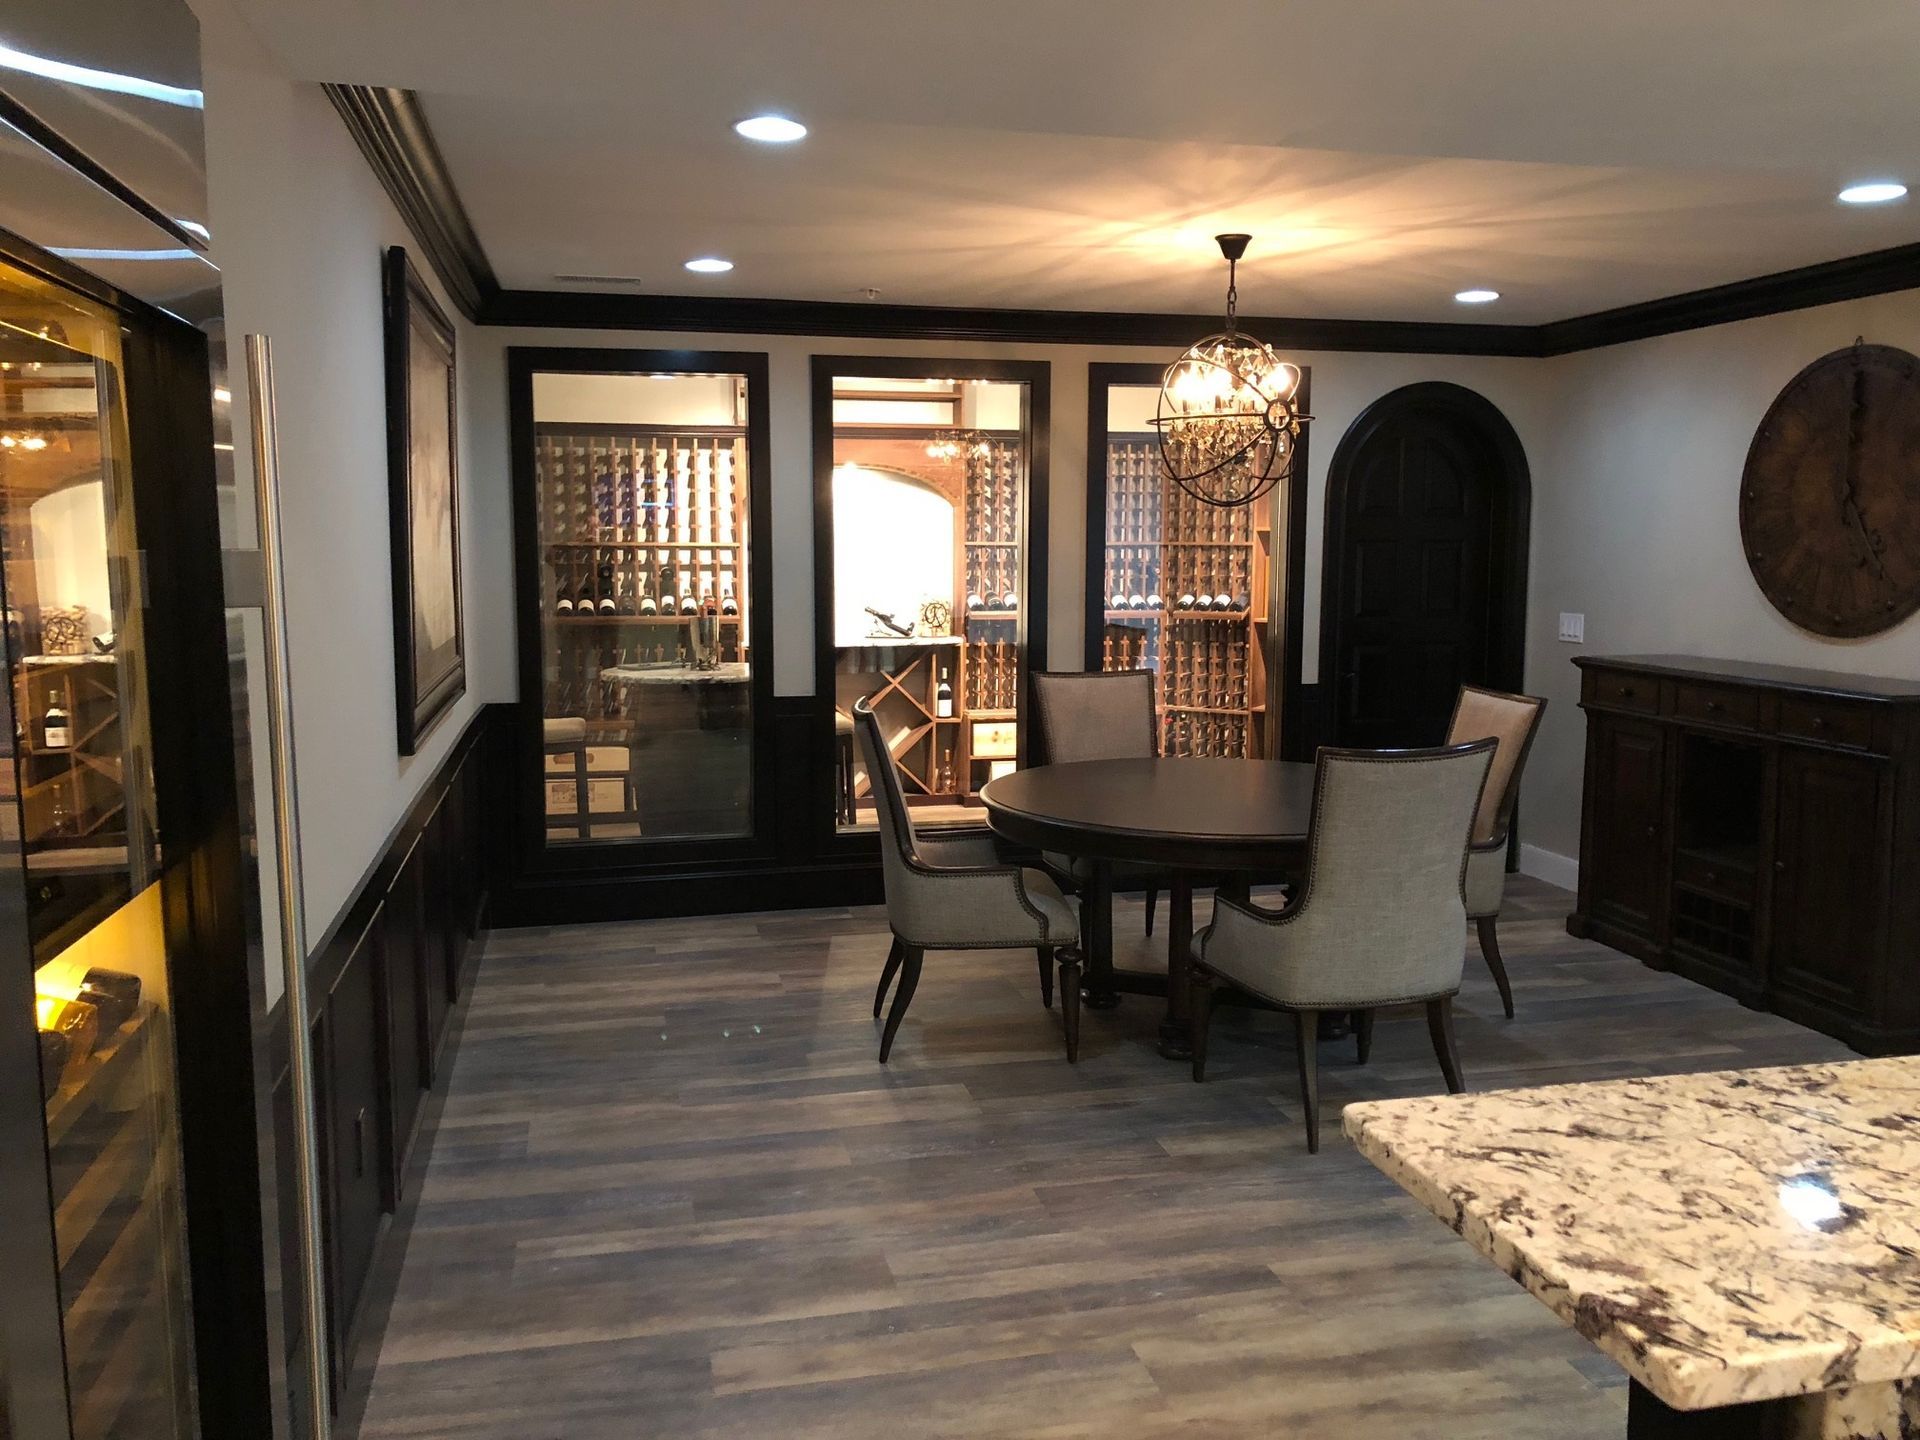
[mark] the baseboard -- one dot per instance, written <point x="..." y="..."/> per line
<point x="1550" y="866"/>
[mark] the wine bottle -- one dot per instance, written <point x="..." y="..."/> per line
<point x="943" y="696"/>
<point x="564" y="605"/>
<point x="1224" y="601"/>
<point x="728" y="605"/>
<point x="707" y="606"/>
<point x="1154" y="602"/>
<point x="668" y="605"/>
<point x="687" y="605"/>
<point x="1010" y="601"/>
<point x="607" y="604"/>
<point x="1186" y="601"/>
<point x="648" y="605"/>
<point x="1135" y="600"/>
<point x="56" y="732"/>
<point x="1118" y="599"/>
<point x="976" y="601"/>
<point x="1203" y="601"/>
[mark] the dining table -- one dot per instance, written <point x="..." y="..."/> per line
<point x="1203" y="819"/>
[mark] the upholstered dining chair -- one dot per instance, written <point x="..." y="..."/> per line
<point x="1095" y="715"/>
<point x="1512" y="720"/>
<point x="1380" y="918"/>
<point x="957" y="895"/>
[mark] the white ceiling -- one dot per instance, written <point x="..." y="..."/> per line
<point x="1079" y="153"/>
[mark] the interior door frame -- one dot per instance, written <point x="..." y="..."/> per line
<point x="1510" y="509"/>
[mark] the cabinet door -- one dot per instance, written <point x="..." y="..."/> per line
<point x="1829" y="889"/>
<point x="356" y="1134"/>
<point x="1627" y="790"/>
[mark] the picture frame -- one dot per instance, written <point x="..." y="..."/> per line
<point x="423" y="480"/>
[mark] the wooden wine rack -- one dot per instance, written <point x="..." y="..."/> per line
<point x="630" y="516"/>
<point x="1191" y="583"/>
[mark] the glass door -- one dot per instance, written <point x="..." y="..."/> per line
<point x="79" y="817"/>
<point x="932" y="589"/>
<point x="1186" y="590"/>
<point x="643" y="606"/>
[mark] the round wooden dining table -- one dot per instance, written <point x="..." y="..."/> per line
<point x="1202" y="819"/>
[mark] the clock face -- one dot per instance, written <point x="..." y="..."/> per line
<point x="1830" y="501"/>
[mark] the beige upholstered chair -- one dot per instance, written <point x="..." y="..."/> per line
<point x="956" y="895"/>
<point x="1380" y="918"/>
<point x="1095" y="715"/>
<point x="1512" y="720"/>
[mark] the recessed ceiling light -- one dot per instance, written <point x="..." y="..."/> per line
<point x="1872" y="192"/>
<point x="709" y="265"/>
<point x="1477" y="297"/>
<point x="770" y="129"/>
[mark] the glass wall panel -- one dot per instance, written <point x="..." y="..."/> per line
<point x="930" y="502"/>
<point x="643" y="505"/>
<point x="1186" y="589"/>
<point x="79" y="816"/>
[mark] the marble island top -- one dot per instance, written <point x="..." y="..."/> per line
<point x="734" y="672"/>
<point x="1733" y="1236"/>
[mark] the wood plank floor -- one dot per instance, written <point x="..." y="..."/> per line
<point x="671" y="1193"/>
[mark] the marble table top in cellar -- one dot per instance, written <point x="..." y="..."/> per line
<point x="1732" y="1236"/>
<point x="734" y="672"/>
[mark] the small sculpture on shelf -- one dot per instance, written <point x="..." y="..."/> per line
<point x="936" y="618"/>
<point x="885" y="627"/>
<point x="63" y="631"/>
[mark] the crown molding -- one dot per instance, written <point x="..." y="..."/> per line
<point x="391" y="130"/>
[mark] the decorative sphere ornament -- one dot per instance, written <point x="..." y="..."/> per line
<point x="1229" y="415"/>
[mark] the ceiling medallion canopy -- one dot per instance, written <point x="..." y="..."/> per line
<point x="1229" y="415"/>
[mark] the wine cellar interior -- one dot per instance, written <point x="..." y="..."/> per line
<point x="642" y="510"/>
<point x="1187" y="594"/>
<point x="930" y="506"/>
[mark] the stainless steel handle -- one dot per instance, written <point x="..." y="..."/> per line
<point x="293" y="924"/>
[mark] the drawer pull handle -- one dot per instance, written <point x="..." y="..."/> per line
<point x="1780" y="866"/>
<point x="1626" y="692"/>
<point x="1713" y="707"/>
<point x="1650" y="832"/>
<point x="1819" y="722"/>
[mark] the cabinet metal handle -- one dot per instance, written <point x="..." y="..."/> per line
<point x="1780" y="866"/>
<point x="1712" y="706"/>
<point x="360" y="1143"/>
<point x="1650" y="830"/>
<point x="1626" y="692"/>
<point x="1819" y="722"/>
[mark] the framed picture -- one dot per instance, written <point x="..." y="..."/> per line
<point x="429" y="643"/>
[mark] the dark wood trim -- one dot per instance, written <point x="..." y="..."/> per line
<point x="391" y="129"/>
<point x="1036" y="416"/>
<point x="21" y="117"/>
<point x="1856" y="277"/>
<point x="16" y="250"/>
<point x="834" y="319"/>
<point x="409" y="304"/>
<point x="1511" y="510"/>
<point x="533" y="862"/>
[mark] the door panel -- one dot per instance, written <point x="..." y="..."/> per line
<point x="1627" y="798"/>
<point x="1828" y="886"/>
<point x="1415" y="592"/>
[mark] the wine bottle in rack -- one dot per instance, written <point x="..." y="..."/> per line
<point x="728" y="605"/>
<point x="648" y="605"/>
<point x="564" y="604"/>
<point x="708" y="606"/>
<point x="687" y="604"/>
<point x="943" y="696"/>
<point x="606" y="604"/>
<point x="1117" y="598"/>
<point x="1136" y="600"/>
<point x="668" y="604"/>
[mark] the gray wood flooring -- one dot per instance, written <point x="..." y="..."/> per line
<point x="670" y="1193"/>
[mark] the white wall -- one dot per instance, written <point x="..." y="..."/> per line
<point x="1635" y="520"/>
<point x="299" y="226"/>
<point x="1343" y="385"/>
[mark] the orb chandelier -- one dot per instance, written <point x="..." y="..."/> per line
<point x="1229" y="416"/>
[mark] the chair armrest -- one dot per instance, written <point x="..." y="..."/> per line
<point x="967" y="850"/>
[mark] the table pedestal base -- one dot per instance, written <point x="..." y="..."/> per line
<point x="1889" y="1411"/>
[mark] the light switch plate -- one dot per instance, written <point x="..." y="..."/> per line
<point x="1573" y="627"/>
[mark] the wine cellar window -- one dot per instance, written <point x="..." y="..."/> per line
<point x="79" y="816"/>
<point x="642" y="516"/>
<point x="931" y="491"/>
<point x="1187" y="590"/>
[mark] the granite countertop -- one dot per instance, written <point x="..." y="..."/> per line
<point x="1737" y="1235"/>
<point x="733" y="673"/>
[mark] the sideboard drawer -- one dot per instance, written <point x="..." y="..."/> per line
<point x="1716" y="704"/>
<point x="1621" y="690"/>
<point x="1833" y="722"/>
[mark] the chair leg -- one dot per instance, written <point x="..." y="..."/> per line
<point x="903" y="997"/>
<point x="1045" y="952"/>
<point x="886" y="976"/>
<point x="1199" y="1021"/>
<point x="1308" y="1022"/>
<point x="1490" y="947"/>
<point x="1153" y="896"/>
<point x="1363" y="1033"/>
<point x="1440" y="1026"/>
<point x="1070" y="999"/>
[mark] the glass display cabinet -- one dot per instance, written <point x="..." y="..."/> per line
<point x="1193" y="592"/>
<point x="641" y="596"/>
<point x="929" y="541"/>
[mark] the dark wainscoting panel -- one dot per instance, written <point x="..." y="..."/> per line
<point x="387" y="979"/>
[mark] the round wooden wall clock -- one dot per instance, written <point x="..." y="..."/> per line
<point x="1830" y="500"/>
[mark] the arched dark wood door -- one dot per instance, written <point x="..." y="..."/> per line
<point x="1426" y="565"/>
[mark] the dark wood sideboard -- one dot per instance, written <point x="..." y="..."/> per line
<point x="1757" y="829"/>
